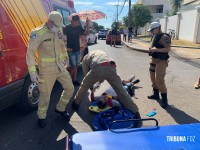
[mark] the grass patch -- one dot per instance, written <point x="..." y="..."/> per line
<point x="184" y="43"/>
<point x="176" y="42"/>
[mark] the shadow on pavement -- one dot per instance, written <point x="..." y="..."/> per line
<point x="19" y="130"/>
<point x="180" y="116"/>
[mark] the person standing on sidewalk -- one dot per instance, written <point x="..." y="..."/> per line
<point x="97" y="67"/>
<point x="130" y="33"/>
<point x="160" y="46"/>
<point x="124" y="34"/>
<point x="52" y="59"/>
<point x="113" y="36"/>
<point x="73" y="32"/>
<point x="197" y="84"/>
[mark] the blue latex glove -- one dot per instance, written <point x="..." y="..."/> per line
<point x="151" y="114"/>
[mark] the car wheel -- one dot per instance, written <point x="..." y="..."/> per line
<point x="95" y="41"/>
<point x="30" y="96"/>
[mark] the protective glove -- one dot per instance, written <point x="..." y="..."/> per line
<point x="34" y="77"/>
<point x="67" y="66"/>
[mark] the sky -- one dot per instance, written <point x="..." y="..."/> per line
<point x="106" y="6"/>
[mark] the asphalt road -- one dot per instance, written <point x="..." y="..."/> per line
<point x="19" y="130"/>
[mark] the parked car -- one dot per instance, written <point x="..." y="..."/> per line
<point x="15" y="27"/>
<point x="91" y="38"/>
<point x="108" y="38"/>
<point x="102" y="34"/>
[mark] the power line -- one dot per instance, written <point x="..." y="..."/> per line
<point x="122" y="7"/>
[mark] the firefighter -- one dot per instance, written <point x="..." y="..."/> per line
<point x="97" y="67"/>
<point x="47" y="40"/>
<point x="160" y="46"/>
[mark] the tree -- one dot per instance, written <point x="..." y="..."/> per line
<point x="176" y="5"/>
<point x="140" y="16"/>
<point x="101" y="27"/>
<point x="114" y="24"/>
<point x="121" y="28"/>
<point x="96" y="26"/>
<point x="125" y="21"/>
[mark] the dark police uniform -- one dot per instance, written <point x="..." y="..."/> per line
<point x="158" y="65"/>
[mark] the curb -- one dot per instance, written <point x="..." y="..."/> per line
<point x="186" y="59"/>
<point x="178" y="46"/>
<point x="136" y="49"/>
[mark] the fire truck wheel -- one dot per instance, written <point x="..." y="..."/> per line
<point x="30" y="96"/>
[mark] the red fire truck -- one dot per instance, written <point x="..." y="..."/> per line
<point x="17" y="19"/>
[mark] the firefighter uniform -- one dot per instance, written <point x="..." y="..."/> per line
<point x="97" y="66"/>
<point x="51" y="63"/>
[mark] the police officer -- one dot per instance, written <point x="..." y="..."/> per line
<point x="159" y="49"/>
<point x="52" y="58"/>
<point x="113" y="36"/>
<point x="97" y="67"/>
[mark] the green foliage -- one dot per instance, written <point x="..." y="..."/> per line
<point x="121" y="28"/>
<point x="176" y="5"/>
<point x="114" y="24"/>
<point x="101" y="27"/>
<point x="125" y="21"/>
<point x="140" y="15"/>
<point x="96" y="26"/>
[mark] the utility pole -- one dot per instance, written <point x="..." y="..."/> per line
<point x="117" y="16"/>
<point x="129" y="13"/>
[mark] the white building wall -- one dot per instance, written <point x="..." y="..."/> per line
<point x="158" y="15"/>
<point x="162" y="23"/>
<point x="187" y="25"/>
<point x="189" y="28"/>
<point x="154" y="2"/>
<point x="171" y="23"/>
<point x="166" y="4"/>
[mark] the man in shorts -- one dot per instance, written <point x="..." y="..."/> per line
<point x="73" y="32"/>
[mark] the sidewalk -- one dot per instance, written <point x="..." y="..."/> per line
<point x="142" y="46"/>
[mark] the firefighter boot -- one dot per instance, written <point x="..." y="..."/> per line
<point x="155" y="94"/>
<point x="164" y="102"/>
<point x="64" y="114"/>
<point x="75" y="106"/>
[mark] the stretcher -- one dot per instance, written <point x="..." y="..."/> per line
<point x="171" y="137"/>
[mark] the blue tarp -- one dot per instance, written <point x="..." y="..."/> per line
<point x="172" y="137"/>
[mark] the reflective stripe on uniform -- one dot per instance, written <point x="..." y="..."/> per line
<point x="42" y="109"/>
<point x="62" y="57"/>
<point x="32" y="69"/>
<point x="48" y="60"/>
<point x="41" y="81"/>
<point x="42" y="31"/>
